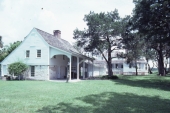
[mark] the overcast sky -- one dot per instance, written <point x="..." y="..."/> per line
<point x="19" y="17"/>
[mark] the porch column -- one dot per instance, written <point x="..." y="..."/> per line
<point x="59" y="71"/>
<point x="83" y="70"/>
<point x="77" y="68"/>
<point x="70" y="69"/>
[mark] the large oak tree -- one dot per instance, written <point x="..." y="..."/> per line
<point x="151" y="18"/>
<point x="102" y="34"/>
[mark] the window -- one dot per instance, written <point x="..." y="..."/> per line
<point x="27" y="53"/>
<point x="140" y="66"/>
<point x="116" y="65"/>
<point x="130" y="65"/>
<point x="32" y="71"/>
<point x="63" y="57"/>
<point x="122" y="66"/>
<point x="38" y="53"/>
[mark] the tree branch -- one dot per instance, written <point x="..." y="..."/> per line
<point x="102" y="54"/>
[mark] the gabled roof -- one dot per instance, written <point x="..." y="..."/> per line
<point x="58" y="42"/>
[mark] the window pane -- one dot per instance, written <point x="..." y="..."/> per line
<point x="116" y="65"/>
<point x="27" y="53"/>
<point x="32" y="70"/>
<point x="38" y="53"/>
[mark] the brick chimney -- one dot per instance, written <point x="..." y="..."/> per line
<point x="57" y="33"/>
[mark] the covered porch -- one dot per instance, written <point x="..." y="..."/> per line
<point x="63" y="65"/>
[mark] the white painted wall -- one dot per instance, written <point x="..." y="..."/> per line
<point x="32" y="42"/>
<point x="99" y="70"/>
<point x="102" y="69"/>
<point x="126" y="69"/>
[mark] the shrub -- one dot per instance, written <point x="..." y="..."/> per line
<point x="109" y="77"/>
<point x="17" y="68"/>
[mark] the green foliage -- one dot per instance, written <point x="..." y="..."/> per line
<point x="134" y="46"/>
<point x="110" y="77"/>
<point x="151" y="19"/>
<point x="1" y="43"/>
<point x="17" y="68"/>
<point x="6" y="50"/>
<point x="102" y="34"/>
<point x="102" y="31"/>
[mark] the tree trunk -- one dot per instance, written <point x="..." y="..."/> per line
<point x="136" y="67"/>
<point x="161" y="63"/>
<point x="158" y="67"/>
<point x="169" y="65"/>
<point x="110" y="72"/>
<point x="149" y="68"/>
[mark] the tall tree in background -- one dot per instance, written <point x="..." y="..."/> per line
<point x="102" y="34"/>
<point x="134" y="46"/>
<point x="149" y="54"/>
<point x="151" y="18"/>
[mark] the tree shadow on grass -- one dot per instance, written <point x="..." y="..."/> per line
<point x="110" y="102"/>
<point x="146" y="83"/>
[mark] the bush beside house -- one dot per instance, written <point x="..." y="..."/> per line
<point x="17" y="69"/>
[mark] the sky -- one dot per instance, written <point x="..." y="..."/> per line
<point x="19" y="17"/>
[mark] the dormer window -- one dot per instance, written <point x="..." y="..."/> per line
<point x="38" y="53"/>
<point x="27" y="53"/>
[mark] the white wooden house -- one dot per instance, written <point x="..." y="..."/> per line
<point x="49" y="57"/>
<point x="119" y="66"/>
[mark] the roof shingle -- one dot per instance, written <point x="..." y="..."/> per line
<point x="57" y="42"/>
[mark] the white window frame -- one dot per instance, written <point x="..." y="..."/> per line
<point x="38" y="53"/>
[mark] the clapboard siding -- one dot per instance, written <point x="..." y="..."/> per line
<point x="32" y="42"/>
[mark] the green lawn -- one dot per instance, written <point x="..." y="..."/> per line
<point x="141" y="94"/>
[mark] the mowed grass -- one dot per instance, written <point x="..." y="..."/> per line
<point x="129" y="94"/>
